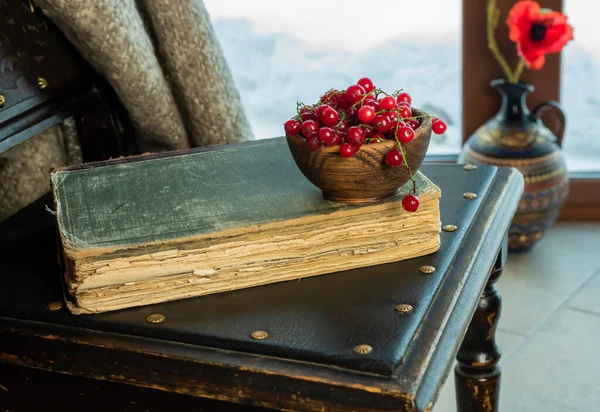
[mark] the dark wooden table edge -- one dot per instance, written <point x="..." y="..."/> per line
<point x="508" y="196"/>
<point x="235" y="371"/>
<point x="70" y="350"/>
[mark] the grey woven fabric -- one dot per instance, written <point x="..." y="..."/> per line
<point x="25" y="169"/>
<point x="178" y="89"/>
<point x="111" y="36"/>
<point x="203" y="85"/>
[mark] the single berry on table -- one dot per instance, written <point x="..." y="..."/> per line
<point x="387" y="103"/>
<point x="307" y="114"/>
<point x="393" y="158"/>
<point x="326" y="135"/>
<point x="405" y="134"/>
<point x="329" y="117"/>
<point x="347" y="150"/>
<point x="313" y="142"/>
<point x="366" y="114"/>
<point x="410" y="203"/>
<point x="292" y="127"/>
<point x="366" y="84"/>
<point x="355" y="136"/>
<point x="354" y="93"/>
<point x="309" y="126"/>
<point x="382" y="123"/>
<point x="404" y="97"/>
<point x="438" y="126"/>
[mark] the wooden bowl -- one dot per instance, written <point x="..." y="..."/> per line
<point x="364" y="177"/>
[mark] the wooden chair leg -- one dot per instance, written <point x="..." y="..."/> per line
<point x="477" y="372"/>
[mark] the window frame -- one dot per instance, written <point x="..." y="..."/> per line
<point x="583" y="202"/>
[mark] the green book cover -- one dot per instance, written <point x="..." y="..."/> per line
<point x="157" y="198"/>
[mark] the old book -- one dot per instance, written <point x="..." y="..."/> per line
<point x="154" y="228"/>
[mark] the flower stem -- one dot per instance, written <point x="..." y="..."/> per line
<point x="493" y="16"/>
<point x="519" y="71"/>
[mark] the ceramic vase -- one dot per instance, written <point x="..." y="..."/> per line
<point x="516" y="137"/>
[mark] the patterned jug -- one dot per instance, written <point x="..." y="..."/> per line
<point x="517" y="137"/>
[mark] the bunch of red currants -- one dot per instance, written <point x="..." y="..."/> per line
<point x="361" y="114"/>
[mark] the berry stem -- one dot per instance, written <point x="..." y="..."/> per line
<point x="414" y="182"/>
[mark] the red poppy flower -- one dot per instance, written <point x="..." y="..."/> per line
<point x="537" y="32"/>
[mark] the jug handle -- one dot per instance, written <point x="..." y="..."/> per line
<point x="555" y="107"/>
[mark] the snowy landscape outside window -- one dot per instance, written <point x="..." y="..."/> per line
<point x="278" y="55"/>
<point x="580" y="87"/>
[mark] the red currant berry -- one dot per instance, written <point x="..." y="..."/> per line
<point x="354" y="93"/>
<point x="347" y="150"/>
<point x="371" y="97"/>
<point x="309" y="126"/>
<point x="350" y="112"/>
<point x="413" y="123"/>
<point x="393" y="158"/>
<point x="313" y="142"/>
<point x="343" y="126"/>
<point x="382" y="123"/>
<point x="366" y="84"/>
<point x="370" y="102"/>
<point x="405" y="134"/>
<point x="376" y="138"/>
<point x="404" y="97"/>
<point x="405" y="112"/>
<point x="337" y="139"/>
<point x="438" y="126"/>
<point x="328" y="97"/>
<point x="342" y="136"/>
<point x="355" y="136"/>
<point x="366" y="114"/>
<point x="307" y="114"/>
<point x="341" y="100"/>
<point x="369" y="131"/>
<point x="387" y="103"/>
<point x="410" y="203"/>
<point x="329" y="117"/>
<point x="319" y="111"/>
<point x="292" y="127"/>
<point x="326" y="135"/>
<point x="393" y="119"/>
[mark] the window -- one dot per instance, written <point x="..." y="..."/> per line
<point x="278" y="55"/>
<point x="580" y="85"/>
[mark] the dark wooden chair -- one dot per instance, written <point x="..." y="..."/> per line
<point x="378" y="338"/>
<point x="44" y="80"/>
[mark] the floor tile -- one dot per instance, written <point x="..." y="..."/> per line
<point x="557" y="368"/>
<point x="537" y="283"/>
<point x="588" y="298"/>
<point x="507" y="342"/>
